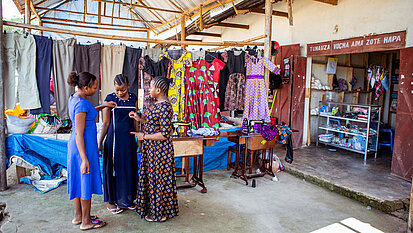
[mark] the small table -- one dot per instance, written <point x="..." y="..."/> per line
<point x="187" y="147"/>
<point x="250" y="143"/>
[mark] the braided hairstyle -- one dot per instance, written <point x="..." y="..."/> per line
<point x="121" y="79"/>
<point x="162" y="83"/>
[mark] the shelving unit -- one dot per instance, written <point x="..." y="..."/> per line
<point x="324" y="126"/>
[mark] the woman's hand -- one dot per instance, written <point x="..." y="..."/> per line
<point x="139" y="136"/>
<point x="110" y="104"/>
<point x="85" y="167"/>
<point x="135" y="116"/>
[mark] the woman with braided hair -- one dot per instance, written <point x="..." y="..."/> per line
<point x="157" y="196"/>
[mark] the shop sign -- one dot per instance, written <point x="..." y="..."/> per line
<point x="379" y="42"/>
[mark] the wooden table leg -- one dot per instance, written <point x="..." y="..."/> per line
<point x="187" y="170"/>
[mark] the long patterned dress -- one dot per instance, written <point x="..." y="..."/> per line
<point x="157" y="195"/>
<point x="176" y="92"/>
<point x="201" y="109"/>
<point x="256" y="105"/>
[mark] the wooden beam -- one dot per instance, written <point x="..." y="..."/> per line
<point x="290" y="12"/>
<point x="148" y="36"/>
<point x="201" y="19"/>
<point x="27" y="13"/>
<point x="220" y="3"/>
<point x="183" y="36"/>
<point x="93" y="23"/>
<point x="139" y="17"/>
<point x="206" y="34"/>
<point x="235" y="9"/>
<point x="48" y="9"/>
<point x="100" y="13"/>
<point x="126" y="38"/>
<point x="188" y="12"/>
<point x="176" y="6"/>
<point x="19" y="7"/>
<point x="41" y="2"/>
<point x="267" y="43"/>
<point x="228" y="25"/>
<point x="94" y="27"/>
<point x="113" y="8"/>
<point x="92" y="14"/>
<point x="34" y="11"/>
<point x="274" y="13"/>
<point x="141" y="6"/>
<point x="249" y="40"/>
<point x="331" y="2"/>
<point x="150" y="11"/>
<point x="85" y="10"/>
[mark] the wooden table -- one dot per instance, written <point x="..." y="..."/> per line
<point x="246" y="145"/>
<point x="187" y="147"/>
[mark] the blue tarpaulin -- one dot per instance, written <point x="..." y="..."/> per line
<point x="50" y="155"/>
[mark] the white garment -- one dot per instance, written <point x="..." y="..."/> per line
<point x="20" y="55"/>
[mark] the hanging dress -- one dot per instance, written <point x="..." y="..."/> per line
<point x="150" y="69"/>
<point x="120" y="166"/>
<point x="235" y="91"/>
<point x="256" y="104"/>
<point x="201" y="109"/>
<point x="176" y="91"/>
<point x="157" y="195"/>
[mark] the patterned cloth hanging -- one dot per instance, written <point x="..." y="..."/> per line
<point x="176" y="92"/>
<point x="201" y="109"/>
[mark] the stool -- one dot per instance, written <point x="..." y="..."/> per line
<point x="386" y="142"/>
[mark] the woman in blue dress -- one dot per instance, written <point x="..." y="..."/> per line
<point x="83" y="156"/>
<point x="120" y="166"/>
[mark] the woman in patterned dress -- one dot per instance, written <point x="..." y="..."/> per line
<point x="157" y="197"/>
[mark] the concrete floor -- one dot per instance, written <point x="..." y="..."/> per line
<point x="346" y="169"/>
<point x="289" y="205"/>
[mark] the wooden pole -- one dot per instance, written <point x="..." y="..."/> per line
<point x="127" y="38"/>
<point x="201" y="19"/>
<point x="183" y="36"/>
<point x="267" y="43"/>
<point x="148" y="36"/>
<point x="290" y="12"/>
<point x="410" y="222"/>
<point x="100" y="13"/>
<point x="3" y="159"/>
<point x="27" y="13"/>
<point x="249" y="40"/>
<point x="84" y="10"/>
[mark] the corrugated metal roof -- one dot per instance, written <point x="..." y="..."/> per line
<point x="137" y="12"/>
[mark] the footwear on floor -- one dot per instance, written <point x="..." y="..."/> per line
<point x="117" y="210"/>
<point x="97" y="223"/>
<point x="92" y="217"/>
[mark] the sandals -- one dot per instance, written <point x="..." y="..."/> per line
<point x="115" y="211"/>
<point x="150" y="219"/>
<point x="97" y="223"/>
<point x="92" y="217"/>
<point x="132" y="207"/>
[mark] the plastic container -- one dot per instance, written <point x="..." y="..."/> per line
<point x="326" y="137"/>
